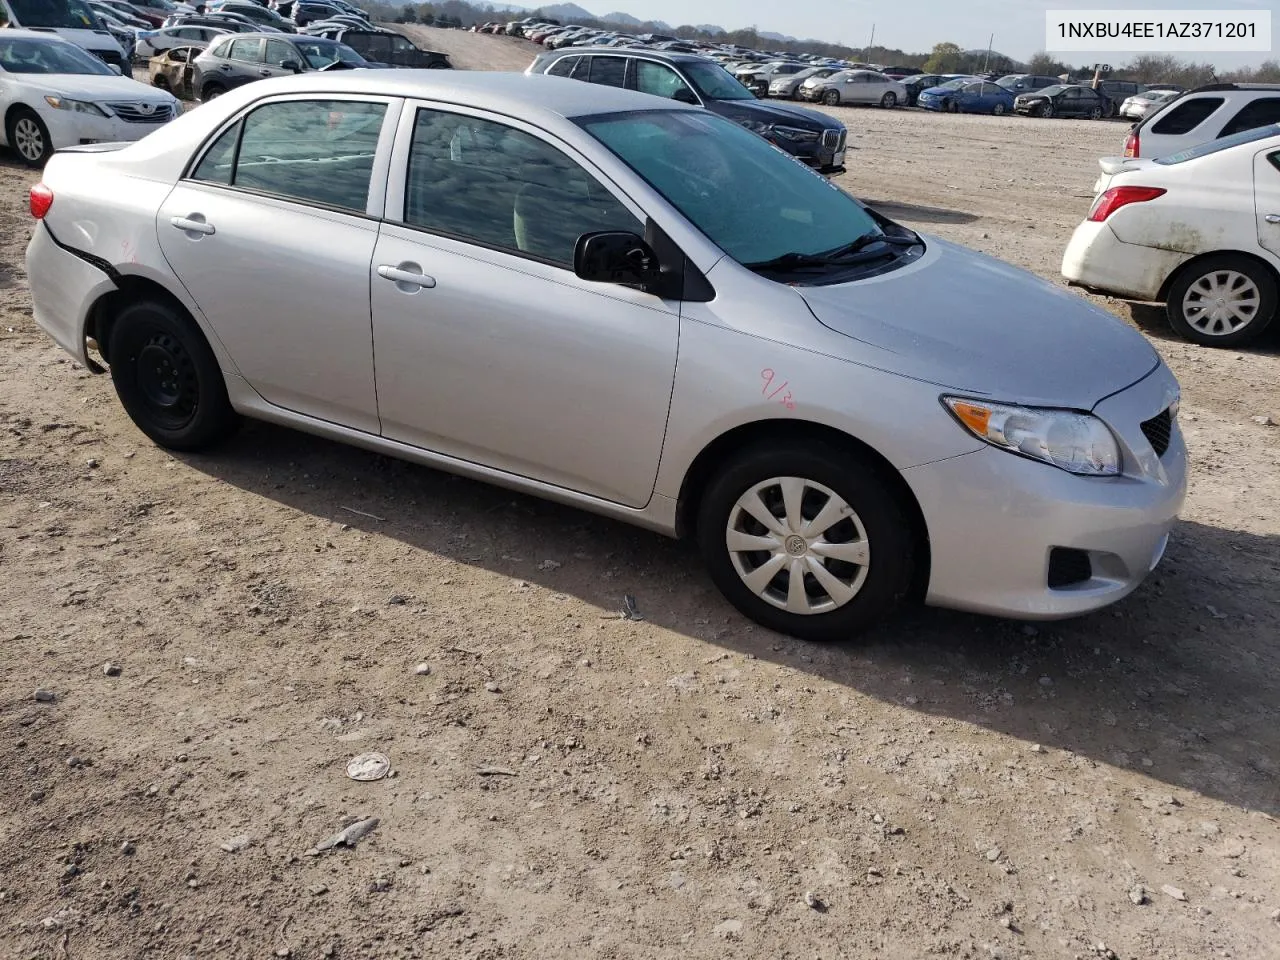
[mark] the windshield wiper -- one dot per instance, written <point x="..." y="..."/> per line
<point x="840" y="256"/>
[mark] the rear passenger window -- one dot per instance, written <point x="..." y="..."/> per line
<point x="316" y="151"/>
<point x="562" y="67"/>
<point x="490" y="184"/>
<point x="609" y="71"/>
<point x="1259" y="113"/>
<point x="1186" y="116"/>
<point x="249" y="51"/>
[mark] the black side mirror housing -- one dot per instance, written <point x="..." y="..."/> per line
<point x="685" y="95"/>
<point x="616" y="257"/>
<point x="293" y="65"/>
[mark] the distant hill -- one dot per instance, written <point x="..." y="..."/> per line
<point x="710" y="28"/>
<point x="776" y="37"/>
<point x="566" y="12"/>
<point x="627" y="20"/>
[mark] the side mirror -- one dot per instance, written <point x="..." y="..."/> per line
<point x="685" y="95"/>
<point x="293" y="65"/>
<point x="615" y="257"/>
<point x="116" y="67"/>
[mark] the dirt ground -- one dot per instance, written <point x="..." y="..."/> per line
<point x="570" y="784"/>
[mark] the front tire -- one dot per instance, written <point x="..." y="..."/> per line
<point x="1222" y="301"/>
<point x="951" y="106"/>
<point x="1046" y="111"/>
<point x="807" y="539"/>
<point x="167" y="377"/>
<point x="889" y="100"/>
<point x="29" y="137"/>
<point x="831" y="98"/>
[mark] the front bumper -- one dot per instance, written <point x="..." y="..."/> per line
<point x="68" y="129"/>
<point x="1097" y="259"/>
<point x="994" y="518"/>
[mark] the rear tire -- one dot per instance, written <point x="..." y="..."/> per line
<point x="997" y="110"/>
<point x="29" y="137"/>
<point x="1248" y="288"/>
<point x="212" y="91"/>
<point x="1095" y="113"/>
<point x="854" y="570"/>
<point x="831" y="98"/>
<point x="167" y="377"/>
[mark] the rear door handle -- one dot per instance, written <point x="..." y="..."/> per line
<point x="406" y="275"/>
<point x="1272" y="218"/>
<point x="191" y="225"/>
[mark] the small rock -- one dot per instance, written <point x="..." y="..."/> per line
<point x="283" y="952"/>
<point x="1036" y="748"/>
<point x="423" y="669"/>
<point x="1138" y="895"/>
<point x="91" y="463"/>
<point x="814" y="902"/>
<point x="728" y="930"/>
<point x="236" y="844"/>
<point x="1275" y="915"/>
<point x="45" y="696"/>
<point x="71" y="871"/>
<point x="1209" y="829"/>
<point x="1174" y="892"/>
<point x="397" y="600"/>
<point x="380" y="885"/>
<point x="327" y="950"/>
<point x="993" y="854"/>
<point x="110" y="669"/>
<point x="1006" y="922"/>
<point x="1263" y="421"/>
<point x="987" y="236"/>
<point x="318" y="890"/>
<point x="193" y="883"/>
<point x="549" y="565"/>
<point x="492" y="687"/>
<point x="128" y="849"/>
<point x="1233" y="849"/>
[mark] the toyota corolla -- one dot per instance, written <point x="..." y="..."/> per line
<point x="629" y="305"/>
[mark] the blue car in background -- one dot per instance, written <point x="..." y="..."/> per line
<point x="968" y="95"/>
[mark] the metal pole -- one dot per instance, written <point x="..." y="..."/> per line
<point x="867" y="52"/>
<point x="986" y="63"/>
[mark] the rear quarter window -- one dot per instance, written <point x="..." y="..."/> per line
<point x="1257" y="113"/>
<point x="1186" y="115"/>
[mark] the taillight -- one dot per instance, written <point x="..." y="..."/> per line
<point x="1117" y="197"/>
<point x="41" y="200"/>
<point x="1131" y="144"/>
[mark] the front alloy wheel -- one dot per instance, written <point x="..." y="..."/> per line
<point x="29" y="138"/>
<point x="831" y="98"/>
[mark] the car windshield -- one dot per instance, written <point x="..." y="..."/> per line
<point x="714" y="82"/>
<point x="321" y="53"/>
<point x="29" y="55"/>
<point x="952" y="85"/>
<point x="751" y="199"/>
<point x="1225" y="143"/>
<point x="67" y="14"/>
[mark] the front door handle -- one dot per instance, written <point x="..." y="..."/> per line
<point x="193" y="225"/>
<point x="1272" y="218"/>
<point x="407" y="276"/>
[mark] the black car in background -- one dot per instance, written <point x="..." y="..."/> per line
<point x="392" y="49"/>
<point x="237" y="59"/>
<point x="921" y="81"/>
<point x="810" y="136"/>
<point x="1064" y="100"/>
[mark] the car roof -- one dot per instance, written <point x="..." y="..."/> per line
<point x="650" y="52"/>
<point x="34" y="35"/>
<point x="519" y="94"/>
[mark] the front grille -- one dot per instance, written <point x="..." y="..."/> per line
<point x="833" y="139"/>
<point x="1159" y="430"/>
<point x="1068" y="567"/>
<point x="136" y="112"/>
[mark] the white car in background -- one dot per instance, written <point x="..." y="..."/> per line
<point x="1198" y="231"/>
<point x="1141" y="105"/>
<point x="151" y="42"/>
<point x="53" y="94"/>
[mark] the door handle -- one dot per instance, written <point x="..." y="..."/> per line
<point x="192" y="225"/>
<point x="406" y="275"/>
<point x="1272" y="218"/>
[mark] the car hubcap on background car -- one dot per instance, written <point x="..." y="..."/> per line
<point x="167" y="380"/>
<point x="798" y="545"/>
<point x="27" y="139"/>
<point x="1221" y="302"/>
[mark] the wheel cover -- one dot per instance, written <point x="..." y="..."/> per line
<point x="1221" y="302"/>
<point x="998" y="109"/>
<point x="798" y="545"/>
<point x="888" y="100"/>
<point x="832" y="98"/>
<point x="28" y="140"/>
<point x="167" y="381"/>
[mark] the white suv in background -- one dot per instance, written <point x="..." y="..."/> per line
<point x="1206" y="113"/>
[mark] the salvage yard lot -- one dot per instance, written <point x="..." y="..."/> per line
<point x="672" y="787"/>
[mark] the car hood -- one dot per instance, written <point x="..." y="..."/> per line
<point x="975" y="324"/>
<point x="773" y="113"/>
<point x="76" y="86"/>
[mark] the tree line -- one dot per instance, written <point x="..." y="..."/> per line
<point x="943" y="58"/>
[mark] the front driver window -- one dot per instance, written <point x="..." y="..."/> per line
<point x="491" y="184"/>
<point x="660" y="80"/>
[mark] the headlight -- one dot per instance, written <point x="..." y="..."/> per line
<point x="75" y="106"/>
<point x="1075" y="442"/>
<point x="756" y="126"/>
<point x="795" y="134"/>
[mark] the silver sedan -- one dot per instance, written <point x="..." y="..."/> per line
<point x="629" y="305"/>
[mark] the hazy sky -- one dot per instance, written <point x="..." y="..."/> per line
<point x="913" y="25"/>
